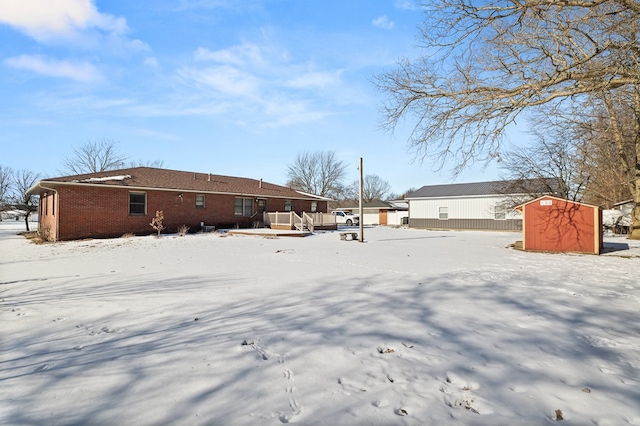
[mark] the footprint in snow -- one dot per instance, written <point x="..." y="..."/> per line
<point x="296" y="408"/>
<point x="348" y="386"/>
<point x="458" y="393"/>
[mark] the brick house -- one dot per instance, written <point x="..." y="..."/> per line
<point x="110" y="204"/>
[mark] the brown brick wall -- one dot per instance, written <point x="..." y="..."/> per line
<point x="94" y="212"/>
<point x="47" y="211"/>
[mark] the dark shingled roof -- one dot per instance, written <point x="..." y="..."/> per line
<point x="154" y="178"/>
<point x="498" y="187"/>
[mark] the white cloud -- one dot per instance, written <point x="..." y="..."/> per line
<point x="244" y="54"/>
<point x="315" y="79"/>
<point x="78" y="71"/>
<point x="383" y="22"/>
<point x="407" y="5"/>
<point x="291" y="113"/>
<point x="137" y="46"/>
<point x="225" y="80"/>
<point x="188" y="5"/>
<point x="263" y="82"/>
<point x="47" y="19"/>
<point x="152" y="62"/>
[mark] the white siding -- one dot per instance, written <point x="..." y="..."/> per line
<point x="371" y="218"/>
<point x="459" y="208"/>
<point x="395" y="217"/>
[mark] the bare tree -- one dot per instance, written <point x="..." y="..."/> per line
<point x="5" y="186"/>
<point x="318" y="173"/>
<point x="93" y="157"/>
<point x="486" y="63"/>
<point x="574" y="156"/>
<point x="607" y="140"/>
<point x="374" y="188"/>
<point x="402" y="196"/>
<point x="20" y="200"/>
<point x="550" y="165"/>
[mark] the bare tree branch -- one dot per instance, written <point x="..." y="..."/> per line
<point x="319" y="173"/>
<point x="20" y="199"/>
<point x="93" y="157"/>
<point x="551" y="165"/>
<point x="374" y="188"/>
<point x="5" y="186"/>
<point x="485" y="63"/>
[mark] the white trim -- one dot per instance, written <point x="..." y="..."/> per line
<point x="319" y="197"/>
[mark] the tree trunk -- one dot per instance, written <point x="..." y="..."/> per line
<point x="635" y="223"/>
<point x="635" y="213"/>
<point x="26" y="221"/>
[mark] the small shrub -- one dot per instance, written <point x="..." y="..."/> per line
<point x="33" y="236"/>
<point x="182" y="230"/>
<point x="156" y="222"/>
<point x="45" y="233"/>
<point x="128" y="235"/>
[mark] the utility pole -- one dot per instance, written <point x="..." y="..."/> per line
<point x="361" y="212"/>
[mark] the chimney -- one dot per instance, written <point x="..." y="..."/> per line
<point x="209" y="179"/>
<point x="260" y="183"/>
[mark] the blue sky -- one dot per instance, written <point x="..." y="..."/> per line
<point x="222" y="86"/>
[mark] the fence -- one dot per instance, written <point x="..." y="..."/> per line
<point x="290" y="220"/>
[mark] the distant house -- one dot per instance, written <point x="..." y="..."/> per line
<point x="553" y="224"/>
<point x="478" y="205"/>
<point x="110" y="204"/>
<point x="383" y="212"/>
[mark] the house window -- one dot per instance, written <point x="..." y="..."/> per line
<point x="288" y="205"/>
<point x="443" y="213"/>
<point x="314" y="206"/>
<point x="244" y="206"/>
<point x="200" y="201"/>
<point x="137" y="203"/>
<point x="500" y="212"/>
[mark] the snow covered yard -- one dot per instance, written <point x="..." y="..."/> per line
<point x="411" y="327"/>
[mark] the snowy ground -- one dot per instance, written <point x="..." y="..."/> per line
<point x="411" y="327"/>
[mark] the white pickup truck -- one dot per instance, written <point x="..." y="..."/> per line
<point x="346" y="218"/>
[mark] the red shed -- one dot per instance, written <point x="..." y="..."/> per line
<point x="553" y="224"/>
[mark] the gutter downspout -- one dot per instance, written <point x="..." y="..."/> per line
<point x="40" y="185"/>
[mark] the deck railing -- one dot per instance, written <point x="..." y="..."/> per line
<point x="293" y="221"/>
<point x="298" y="223"/>
<point x="307" y="222"/>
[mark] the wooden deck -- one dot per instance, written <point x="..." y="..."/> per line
<point x="266" y="232"/>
